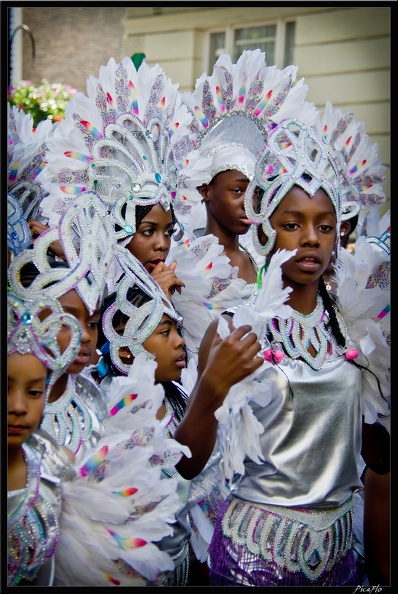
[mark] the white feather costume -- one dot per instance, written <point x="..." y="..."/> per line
<point x="118" y="506"/>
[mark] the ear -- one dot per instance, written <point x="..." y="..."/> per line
<point x="345" y="227"/>
<point x="204" y="191"/>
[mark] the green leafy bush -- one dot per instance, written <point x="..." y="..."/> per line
<point x="46" y="102"/>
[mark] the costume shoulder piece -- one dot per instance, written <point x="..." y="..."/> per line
<point x="363" y="291"/>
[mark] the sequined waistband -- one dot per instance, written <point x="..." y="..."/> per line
<point x="307" y="541"/>
<point x="179" y="577"/>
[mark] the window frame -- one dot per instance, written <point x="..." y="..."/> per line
<point x="229" y="31"/>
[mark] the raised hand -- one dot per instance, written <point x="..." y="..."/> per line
<point x="167" y="279"/>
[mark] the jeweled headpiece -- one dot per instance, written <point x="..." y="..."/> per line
<point x="141" y="320"/>
<point x="294" y="155"/>
<point x="25" y="159"/>
<point x="126" y="141"/>
<point x="28" y="333"/>
<point x="87" y="238"/>
<point x="19" y="236"/>
<point x="377" y="231"/>
<point x="361" y="170"/>
<point x="234" y="110"/>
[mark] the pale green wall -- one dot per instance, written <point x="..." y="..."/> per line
<point x="342" y="52"/>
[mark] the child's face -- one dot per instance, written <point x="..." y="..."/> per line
<point x="224" y="199"/>
<point x="308" y="224"/>
<point x="72" y="303"/>
<point x="150" y="243"/>
<point x="166" y="344"/>
<point x="26" y="396"/>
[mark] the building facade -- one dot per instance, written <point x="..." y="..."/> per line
<point x="343" y="52"/>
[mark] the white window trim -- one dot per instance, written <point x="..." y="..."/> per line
<point x="229" y="38"/>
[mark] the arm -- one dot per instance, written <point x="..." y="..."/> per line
<point x="376" y="526"/>
<point x="376" y="447"/>
<point x="222" y="364"/>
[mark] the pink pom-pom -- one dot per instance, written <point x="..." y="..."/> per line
<point x="278" y="356"/>
<point x="267" y="354"/>
<point x="351" y="354"/>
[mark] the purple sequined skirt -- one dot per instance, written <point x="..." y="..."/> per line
<point x="262" y="546"/>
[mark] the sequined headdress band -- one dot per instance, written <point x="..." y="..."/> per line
<point x="29" y="333"/>
<point x="294" y="155"/>
<point x="141" y="321"/>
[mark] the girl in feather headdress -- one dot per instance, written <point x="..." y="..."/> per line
<point x="296" y="427"/>
<point x="94" y="522"/>
<point x="126" y="140"/>
<point x="233" y="110"/>
<point x="36" y="463"/>
<point x="75" y="408"/>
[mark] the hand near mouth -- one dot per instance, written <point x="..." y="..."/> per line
<point x="167" y="279"/>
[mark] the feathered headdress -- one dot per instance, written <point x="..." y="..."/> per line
<point x="87" y="239"/>
<point x="142" y="319"/>
<point x="126" y="141"/>
<point x="360" y="167"/>
<point x="233" y="111"/>
<point x="33" y="327"/>
<point x="25" y="159"/>
<point x="293" y="155"/>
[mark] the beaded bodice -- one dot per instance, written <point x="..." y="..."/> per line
<point x="300" y="332"/>
<point x="33" y="512"/>
<point x="73" y="418"/>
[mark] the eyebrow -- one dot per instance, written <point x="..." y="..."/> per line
<point x="299" y="212"/>
<point x="155" y="224"/>
<point x="165" y="323"/>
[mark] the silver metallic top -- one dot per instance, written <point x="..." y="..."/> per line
<point x="311" y="441"/>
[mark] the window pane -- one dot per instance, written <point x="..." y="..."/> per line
<point x="251" y="38"/>
<point x="217" y="47"/>
<point x="289" y="44"/>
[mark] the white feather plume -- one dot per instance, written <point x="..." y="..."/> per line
<point x="118" y="506"/>
<point x="211" y="286"/>
<point x="238" y="429"/>
<point x="363" y="307"/>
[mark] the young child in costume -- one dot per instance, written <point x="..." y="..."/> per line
<point x="233" y="111"/>
<point x="36" y="463"/>
<point x="293" y="430"/>
<point x="75" y="407"/>
<point x="138" y="319"/>
<point x="96" y="522"/>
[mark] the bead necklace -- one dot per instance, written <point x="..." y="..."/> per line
<point x="300" y="332"/>
<point x="68" y="419"/>
<point x="32" y="528"/>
